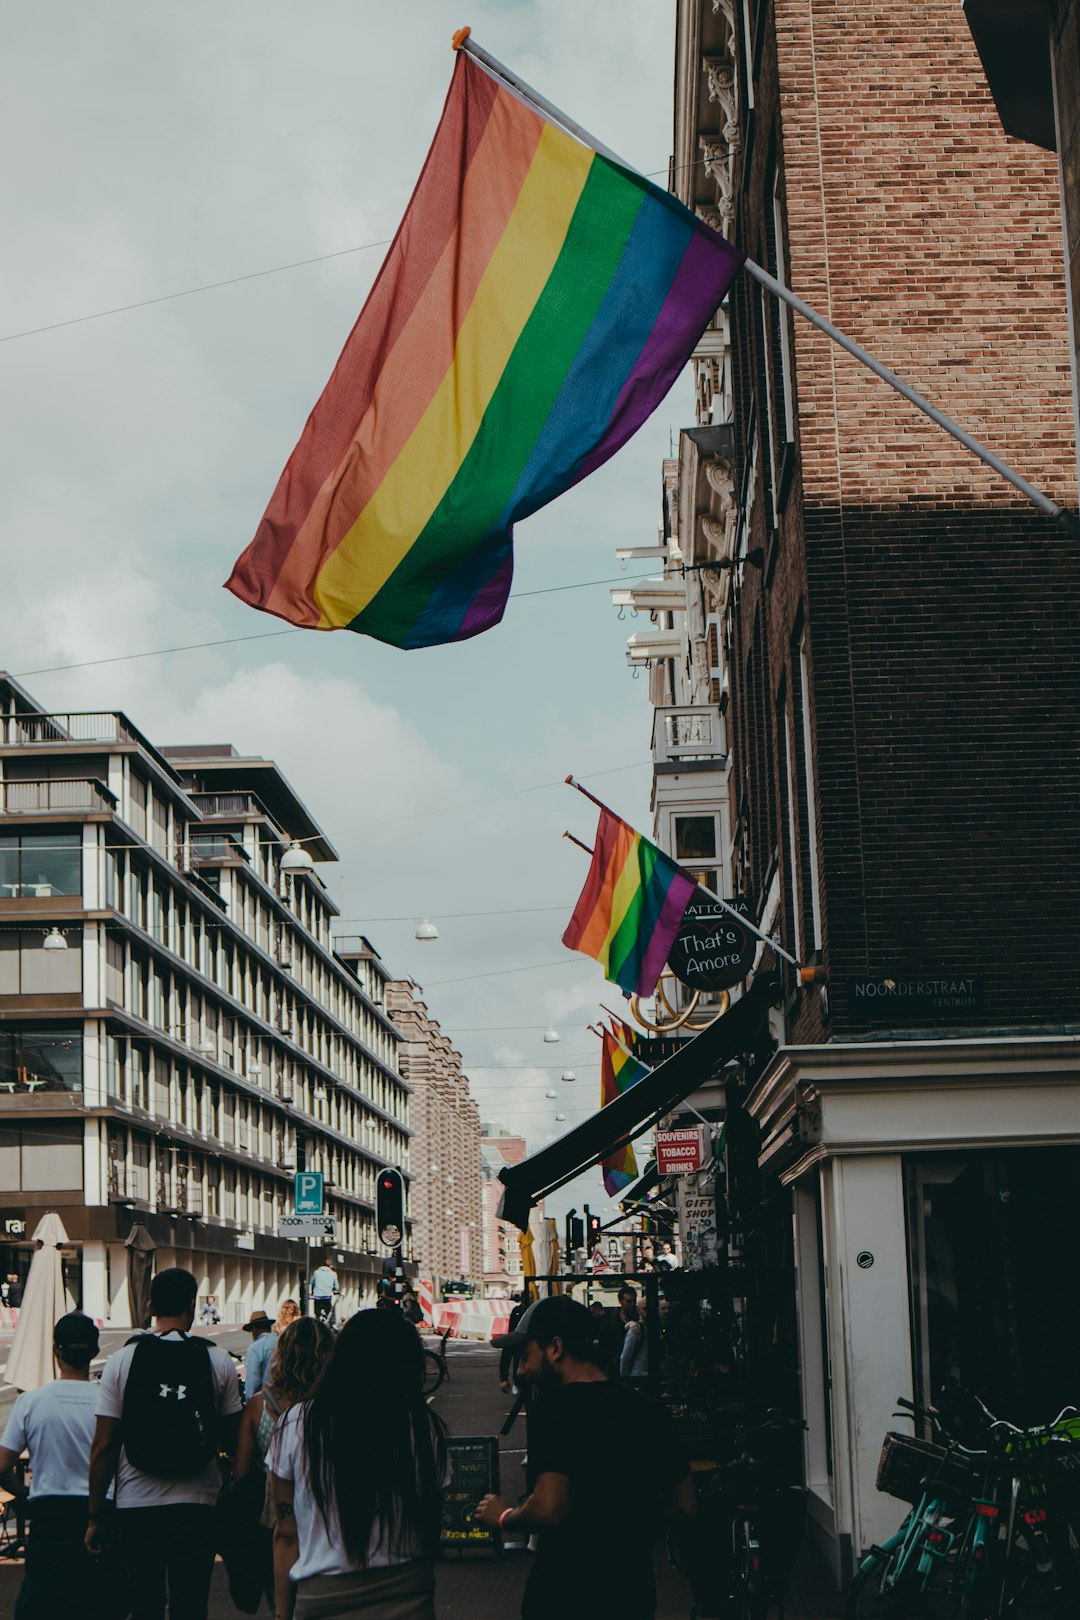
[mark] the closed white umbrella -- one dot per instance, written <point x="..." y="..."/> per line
<point x="30" y="1363"/>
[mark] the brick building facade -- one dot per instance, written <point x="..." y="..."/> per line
<point x="445" y="1201"/>
<point x="865" y="677"/>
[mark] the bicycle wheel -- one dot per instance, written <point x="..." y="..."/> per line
<point x="434" y="1372"/>
<point x="876" y="1594"/>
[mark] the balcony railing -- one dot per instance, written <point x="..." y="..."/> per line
<point x="690" y="732"/>
<point x="35" y="798"/>
<point x="22" y="729"/>
<point x="128" y="1185"/>
<point x="175" y="1195"/>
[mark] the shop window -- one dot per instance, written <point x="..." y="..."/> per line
<point x="36" y="865"/>
<point x="995" y="1311"/>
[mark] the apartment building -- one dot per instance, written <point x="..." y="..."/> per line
<point x="445" y="1202"/>
<point x="178" y="1034"/>
<point x="865" y="674"/>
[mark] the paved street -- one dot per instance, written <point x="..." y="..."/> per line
<point x="476" y="1586"/>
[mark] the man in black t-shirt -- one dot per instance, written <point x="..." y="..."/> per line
<point x="609" y="1471"/>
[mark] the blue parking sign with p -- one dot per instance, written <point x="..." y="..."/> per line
<point x="308" y="1192"/>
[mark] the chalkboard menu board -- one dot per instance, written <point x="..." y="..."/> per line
<point x="475" y="1461"/>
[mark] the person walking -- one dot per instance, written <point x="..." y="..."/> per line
<point x="257" y="1361"/>
<point x="55" y="1424"/>
<point x="609" y="1470"/>
<point x="324" y="1288"/>
<point x="357" y="1474"/>
<point x="299" y="1357"/>
<point x="168" y="1404"/>
<point x="634" y="1357"/>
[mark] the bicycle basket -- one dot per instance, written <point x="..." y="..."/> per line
<point x="906" y="1462"/>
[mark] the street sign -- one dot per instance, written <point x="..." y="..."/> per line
<point x="307" y="1226"/>
<point x="600" y="1261"/>
<point x="680" y="1153"/>
<point x="308" y="1196"/>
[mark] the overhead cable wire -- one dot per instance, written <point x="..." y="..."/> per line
<point x="269" y="635"/>
<point x="230" y="281"/>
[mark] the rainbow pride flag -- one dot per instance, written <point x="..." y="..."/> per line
<point x="619" y="1070"/>
<point x="631" y="908"/>
<point x="534" y="308"/>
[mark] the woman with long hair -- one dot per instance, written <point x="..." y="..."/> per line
<point x="289" y="1312"/>
<point x="299" y="1357"/>
<point x="357" y="1474"/>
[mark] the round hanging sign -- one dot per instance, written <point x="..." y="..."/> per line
<point x="712" y="951"/>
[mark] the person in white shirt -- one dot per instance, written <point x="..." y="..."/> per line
<point x="357" y="1475"/>
<point x="55" y="1424"/>
<point x="169" y="1403"/>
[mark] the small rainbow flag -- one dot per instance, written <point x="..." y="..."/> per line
<point x="619" y="1070"/>
<point x="534" y="308"/>
<point x="631" y="908"/>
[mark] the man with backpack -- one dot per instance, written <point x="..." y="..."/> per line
<point x="168" y="1404"/>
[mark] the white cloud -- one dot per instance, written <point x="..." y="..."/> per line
<point x="163" y="148"/>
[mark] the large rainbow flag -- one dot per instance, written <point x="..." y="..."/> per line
<point x="619" y="1070"/>
<point x="631" y="908"/>
<point x="534" y="308"/>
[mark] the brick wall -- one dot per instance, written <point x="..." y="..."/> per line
<point x="940" y="612"/>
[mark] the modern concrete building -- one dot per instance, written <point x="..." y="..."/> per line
<point x="178" y="1034"/>
<point x="446" y="1204"/>
<point x="865" y="675"/>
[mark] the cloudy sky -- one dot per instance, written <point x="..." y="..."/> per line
<point x="157" y="148"/>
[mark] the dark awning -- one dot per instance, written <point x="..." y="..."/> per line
<point x="643" y="1185"/>
<point x="635" y="1110"/>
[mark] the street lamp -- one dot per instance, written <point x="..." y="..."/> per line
<point x="551" y="1035"/>
<point x="426" y="929"/>
<point x="296" y="858"/>
<point x="569" y="1076"/>
<point x="54" y="940"/>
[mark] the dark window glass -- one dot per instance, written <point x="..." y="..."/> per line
<point x="42" y="1060"/>
<point x="33" y="865"/>
<point x="695" y="838"/>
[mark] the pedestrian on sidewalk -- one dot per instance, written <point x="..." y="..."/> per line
<point x="299" y="1357"/>
<point x="609" y="1471"/>
<point x="357" y="1475"/>
<point x="288" y="1311"/>
<point x="257" y="1361"/>
<point x="634" y="1357"/>
<point x="55" y="1424"/>
<point x="507" y="1357"/>
<point x="168" y="1404"/>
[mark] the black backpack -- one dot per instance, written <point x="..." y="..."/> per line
<point x="169" y="1422"/>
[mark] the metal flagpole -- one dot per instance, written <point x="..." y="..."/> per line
<point x="1060" y="514"/>
<point x="463" y="41"/>
<point x="744" y="922"/>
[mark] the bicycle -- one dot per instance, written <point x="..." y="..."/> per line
<point x="984" y="1533"/>
<point x="763" y="1518"/>
<point x="436" y="1371"/>
<point x="911" y="1573"/>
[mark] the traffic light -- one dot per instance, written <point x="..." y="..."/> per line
<point x="390" y="1207"/>
<point x="577" y="1232"/>
<point x="592" y="1233"/>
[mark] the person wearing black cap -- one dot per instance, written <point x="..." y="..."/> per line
<point x="609" y="1470"/>
<point x="55" y="1424"/>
